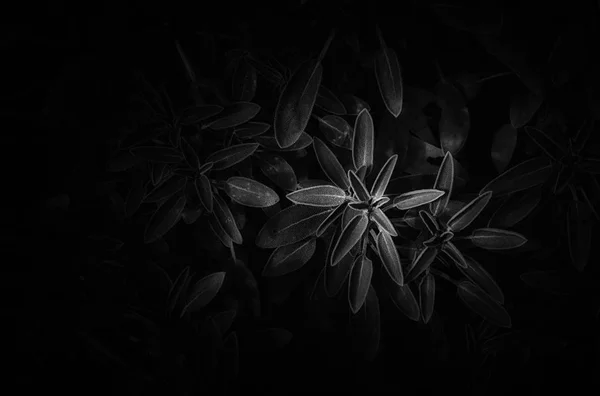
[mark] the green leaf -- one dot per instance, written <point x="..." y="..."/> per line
<point x="320" y="196"/>
<point x="225" y="218"/>
<point x="289" y="258"/>
<point x="167" y="155"/>
<point x="165" y="218"/>
<point x="520" y="177"/>
<point x="279" y="171"/>
<point x="203" y="292"/>
<point x="523" y="107"/>
<point x="390" y="257"/>
<point x="251" y="129"/>
<point x="196" y="114"/>
<point x="496" y="239"/>
<point x="270" y="142"/>
<point x="517" y="207"/>
<point x="579" y="233"/>
<point x="403" y="298"/>
<point x="204" y="191"/>
<point x="383" y="222"/>
<point x="503" y="146"/>
<point x="219" y="232"/>
<point x="360" y="281"/>
<point x="421" y="263"/>
<point x="429" y="221"/>
<point x="383" y="177"/>
<point x="483" y="305"/>
<point x="329" y="102"/>
<point x="363" y="140"/>
<point x="330" y="164"/>
<point x="417" y="198"/>
<point x="548" y="145"/>
<point x="358" y="187"/>
<point x="444" y="182"/>
<point x="234" y="115"/>
<point x="427" y="297"/>
<point x="337" y="131"/>
<point x="250" y="193"/>
<point x="454" y="254"/>
<point x="227" y="157"/>
<point x="291" y="225"/>
<point x="389" y="78"/>
<point x="469" y="212"/>
<point x="165" y="190"/>
<point x="349" y="237"/>
<point x="244" y="82"/>
<point x="479" y="276"/>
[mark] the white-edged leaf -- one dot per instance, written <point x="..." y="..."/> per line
<point x="320" y="196"/>
<point x="349" y="237"/>
<point x="250" y="193"/>
<point x="360" y="281"/>
<point x="390" y="257"/>
<point x="289" y="258"/>
<point x="363" y="140"/>
<point x="416" y="198"/>
<point x="496" y="239"/>
<point x="330" y="164"/>
<point x="444" y="181"/>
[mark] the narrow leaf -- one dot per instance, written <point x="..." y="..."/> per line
<point x="403" y="298"/>
<point x="390" y="257"/>
<point x="427" y="297"/>
<point x="454" y="254"/>
<point x="429" y="221"/>
<point x="349" y="237"/>
<point x="330" y="164"/>
<point x="483" y="305"/>
<point x="270" y="142"/>
<point x="232" y="155"/>
<point x="520" y="177"/>
<point x="289" y="258"/>
<point x="421" y="263"/>
<point x="383" y="222"/>
<point x="226" y="220"/>
<point x="383" y="177"/>
<point x="389" y="78"/>
<point x="236" y="114"/>
<point x="250" y="193"/>
<point x="517" y="207"/>
<point x="363" y="140"/>
<point x="469" y="212"/>
<point x="496" y="239"/>
<point x="417" y="198"/>
<point x="548" y="145"/>
<point x="164" y="218"/>
<point x="349" y="214"/>
<point x="360" y="281"/>
<point x="444" y="181"/>
<point x="204" y="191"/>
<point x="503" y="146"/>
<point x="203" y="292"/>
<point x="479" y="276"/>
<point x="358" y="187"/>
<point x="335" y="215"/>
<point x="328" y="101"/>
<point x="320" y="196"/>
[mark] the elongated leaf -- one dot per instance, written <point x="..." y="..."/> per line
<point x="223" y="214"/>
<point x="236" y="114"/>
<point x="363" y="140"/>
<point x="349" y="237"/>
<point x="291" y="225"/>
<point x="483" y="305"/>
<point x="250" y="193"/>
<point x="169" y="187"/>
<point x="330" y="164"/>
<point x="244" y="82"/>
<point x="455" y="120"/>
<point x="251" y="129"/>
<point x="390" y="257"/>
<point x="164" y="218"/>
<point x="219" y="232"/>
<point x="444" y="182"/>
<point x="503" y="146"/>
<point x="349" y="214"/>
<point x="383" y="222"/>
<point x="403" y="298"/>
<point x="548" y="145"/>
<point x="167" y="155"/>
<point x="289" y="258"/>
<point x="205" y="168"/>
<point x="421" y="263"/>
<point x="523" y="107"/>
<point x="335" y="276"/>
<point x="496" y="239"/>
<point x="479" y="276"/>
<point x="516" y="208"/>
<point x="323" y="196"/>
<point x="429" y="221"/>
<point x="328" y="101"/>
<point x="279" y="171"/>
<point x="204" y="191"/>
<point x="196" y="114"/>
<point x="190" y="216"/>
<point x="469" y="212"/>
<point x="337" y="131"/>
<point x="232" y="155"/>
<point x="453" y="253"/>
<point x="417" y="198"/>
<point x="520" y="177"/>
<point x="579" y="233"/>
<point x="358" y="187"/>
<point x="383" y="177"/>
<point x="377" y="203"/>
<point x="360" y="281"/>
<point x="203" y="292"/>
<point x="333" y="217"/>
<point x="427" y="297"/>
<point x="389" y="78"/>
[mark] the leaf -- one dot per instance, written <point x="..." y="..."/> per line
<point x="251" y="129"/>
<point x="279" y="171"/>
<point x="427" y="296"/>
<point x="169" y="187"/>
<point x="270" y="142"/>
<point x="123" y="161"/>
<point x="517" y="207"/>
<point x="291" y="225"/>
<point x="390" y="257"/>
<point x="363" y="140"/>
<point x="135" y="196"/>
<point x="164" y="218"/>
<point x="503" y="146"/>
<point x="204" y="191"/>
<point x="236" y="114"/>
<point x="482" y="304"/>
<point x="219" y="232"/>
<point x="196" y="114"/>
<point x="523" y="107"/>
<point x="360" y="281"/>
<point x="455" y="120"/>
<point x="330" y="164"/>
<point x="289" y="258"/>
<point x="178" y="287"/>
<point x="244" y="82"/>
<point x="327" y="101"/>
<point x="444" y="182"/>
<point x="383" y="222"/>
<point x="190" y="216"/>
<point x="429" y="221"/>
<point x="349" y="214"/>
<point x="159" y="172"/>
<point x="520" y="177"/>
<point x="383" y="177"/>
<point x="227" y="157"/>
<point x="167" y="155"/>
<point x="454" y="254"/>
<point x="469" y="212"/>
<point x="417" y="198"/>
<point x="333" y="216"/>
<point x="321" y="196"/>
<point x="479" y="276"/>
<point x="250" y="193"/>
<point x="358" y="187"/>
<point x="579" y="233"/>
<point x="203" y="292"/>
<point x="353" y="104"/>
<point x="421" y="263"/>
<point x="335" y="276"/>
<point x="336" y="130"/>
<point x="349" y="237"/>
<point x="225" y="218"/>
<point x="545" y="143"/>
<point x="403" y="298"/>
<point x="389" y="78"/>
<point x="496" y="239"/>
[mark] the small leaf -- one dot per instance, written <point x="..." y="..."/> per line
<point x="349" y="237"/>
<point x="579" y="233"/>
<point x="358" y="187"/>
<point x="225" y="218"/>
<point x="227" y="157"/>
<point x="327" y="101"/>
<point x="321" y="196"/>
<point x="167" y="155"/>
<point x="545" y="143"/>
<point x="203" y="292"/>
<point x="289" y="258"/>
<point x="250" y="193"/>
<point x="503" y="146"/>
<point x="516" y="208"/>
<point x="383" y="177"/>
<point x="196" y="114"/>
<point x="360" y="281"/>
<point x="427" y="297"/>
<point x="523" y="107"/>
<point x="421" y="263"/>
<point x="169" y="187"/>
<point x="291" y="225"/>
<point x="497" y="239"/>
<point x="390" y="257"/>
<point x="469" y="212"/>
<point x="244" y="82"/>
<point x="479" y="276"/>
<point x="164" y="218"/>
<point x="454" y="254"/>
<point x="520" y="177"/>
<point x="389" y="78"/>
<point x="444" y="181"/>
<point x="337" y="131"/>
<point x="363" y="140"/>
<point x="279" y="171"/>
<point x="482" y="304"/>
<point x="204" y="191"/>
<point x="417" y="198"/>
<point x="251" y="129"/>
<point x="403" y="298"/>
<point x="330" y="164"/>
<point x="383" y="222"/>
<point x="236" y="114"/>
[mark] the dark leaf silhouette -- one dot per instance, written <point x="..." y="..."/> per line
<point x="234" y="115"/>
<point x="427" y="296"/>
<point x="244" y="82"/>
<point x="383" y="177"/>
<point x="196" y="114"/>
<point x="173" y="185"/>
<point x="455" y="121"/>
<point x="548" y="145"/>
<point x="225" y="218"/>
<point x="330" y="164"/>
<point x="479" y="276"/>
<point x="219" y="232"/>
<point x="367" y="332"/>
<point x="354" y="105"/>
<point x="390" y="257"/>
<point x="360" y="281"/>
<point x="337" y="131"/>
<point x="523" y="107"/>
<point x="251" y="129"/>
<point x="250" y="193"/>
<point x="349" y="237"/>
<point x="389" y="78"/>
<point x="329" y="102"/>
<point x="267" y="141"/>
<point x="177" y="290"/>
<point x="123" y="161"/>
<point x="469" y="212"/>
<point x="503" y="146"/>
<point x="517" y="207"/>
<point x="164" y="218"/>
<point x="279" y="171"/>
<point x="358" y="187"/>
<point x="454" y="254"/>
<point x="203" y="292"/>
<point x="421" y="263"/>
<point x="520" y="177"/>
<point x="289" y="258"/>
<point x="482" y="304"/>
<point x="335" y="276"/>
<point x="383" y="222"/>
<point x="167" y="155"/>
<point x="204" y="191"/>
<point x="232" y="155"/>
<point x="135" y="196"/>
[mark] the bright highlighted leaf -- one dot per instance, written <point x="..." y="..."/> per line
<point x="454" y="254"/>
<point x="417" y="198"/>
<point x="383" y="222"/>
<point x="383" y="177"/>
<point x="270" y="142"/>
<point x="250" y="193"/>
<point x="478" y="275"/>
<point x="469" y="212"/>
<point x="421" y="262"/>
<point x="390" y="257"/>
<point x="358" y="187"/>
<point x="321" y="196"/>
<point x="337" y="131"/>
<point x="516" y="208"/>
<point x="225" y="218"/>
<point x="427" y="297"/>
<point x="330" y="164"/>
<point x="349" y="237"/>
<point x="329" y="102"/>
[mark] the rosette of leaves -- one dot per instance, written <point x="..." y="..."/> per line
<point x="436" y="245"/>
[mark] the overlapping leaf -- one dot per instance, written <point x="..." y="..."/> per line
<point x="363" y="140"/>
<point x="548" y="145"/>
<point x="353" y="104"/>
<point x="383" y="177"/>
<point x="204" y="191"/>
<point x="328" y="101"/>
<point x="289" y="258"/>
<point x="250" y="193"/>
<point x="196" y="114"/>
<point x="503" y="146"/>
<point x="359" y="283"/>
<point x="516" y="208"/>
<point x="443" y="182"/>
<point x="421" y="262"/>
<point x="403" y="298"/>
<point x="225" y="218"/>
<point x="496" y="239"/>
<point x="232" y="155"/>
<point x="330" y="164"/>
<point x="236" y="114"/>
<point x="482" y="304"/>
<point x="244" y="82"/>
<point x="335" y="276"/>
<point x="321" y="196"/>
<point x="349" y="237"/>
<point x="251" y="129"/>
<point x="268" y="141"/>
<point x="337" y="131"/>
<point x="416" y="198"/>
<point x="520" y="177"/>
<point x="390" y="257"/>
<point x="169" y="187"/>
<point x="358" y="187"/>
<point x="523" y="107"/>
